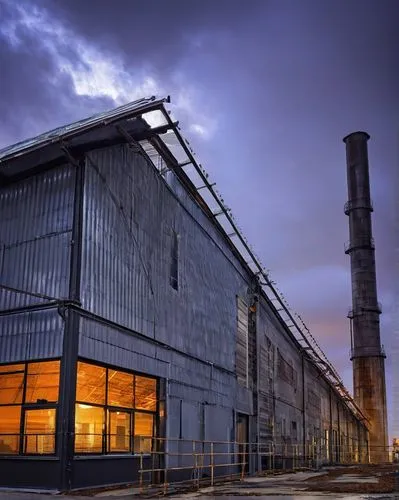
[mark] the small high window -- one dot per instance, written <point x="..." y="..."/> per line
<point x="174" y="262"/>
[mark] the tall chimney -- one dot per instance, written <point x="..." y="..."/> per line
<point x="367" y="354"/>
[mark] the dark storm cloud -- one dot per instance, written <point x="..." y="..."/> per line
<point x="35" y="94"/>
<point x="154" y="31"/>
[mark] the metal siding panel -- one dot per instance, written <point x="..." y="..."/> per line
<point x="35" y="233"/>
<point x="130" y="215"/>
<point x="31" y="335"/>
<point x="114" y="284"/>
<point x="108" y="345"/>
<point x="242" y="342"/>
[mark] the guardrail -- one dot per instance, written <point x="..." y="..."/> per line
<point x="195" y="463"/>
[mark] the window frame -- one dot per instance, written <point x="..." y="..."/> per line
<point x="131" y="410"/>
<point x="31" y="408"/>
<point x="24" y="406"/>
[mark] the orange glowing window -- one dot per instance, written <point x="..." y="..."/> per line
<point x="11" y="384"/>
<point x="143" y="432"/>
<point x="39" y="435"/>
<point x="119" y="431"/>
<point x="90" y="386"/>
<point x="10" y="421"/>
<point x="120" y="389"/>
<point x="89" y="428"/>
<point x="42" y="384"/>
<point x="145" y="393"/>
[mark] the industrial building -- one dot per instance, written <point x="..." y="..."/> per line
<point x="136" y="321"/>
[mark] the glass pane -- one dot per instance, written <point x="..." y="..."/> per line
<point x="42" y="382"/>
<point x="39" y="431"/>
<point x="146" y="393"/>
<point x="119" y="431"/>
<point x="143" y="429"/>
<point x="10" y="419"/>
<point x="89" y="428"/>
<point x="120" y="389"/>
<point x="11" y="387"/>
<point x="11" y="368"/>
<point x="90" y="386"/>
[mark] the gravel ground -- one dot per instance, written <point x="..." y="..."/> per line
<point x="387" y="476"/>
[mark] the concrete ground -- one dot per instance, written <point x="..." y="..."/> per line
<point x="351" y="483"/>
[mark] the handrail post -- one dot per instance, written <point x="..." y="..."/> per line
<point x="242" y="464"/>
<point x="212" y="470"/>
<point x="165" y="471"/>
<point x="141" y="473"/>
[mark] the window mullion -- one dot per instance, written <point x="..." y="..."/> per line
<point x="22" y="422"/>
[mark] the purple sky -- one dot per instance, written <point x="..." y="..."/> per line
<point x="265" y="91"/>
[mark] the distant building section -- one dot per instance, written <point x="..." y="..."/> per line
<point x="395" y="450"/>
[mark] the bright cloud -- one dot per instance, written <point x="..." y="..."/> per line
<point x="98" y="74"/>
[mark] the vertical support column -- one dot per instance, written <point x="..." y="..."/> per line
<point x="66" y="416"/>
<point x="339" y="436"/>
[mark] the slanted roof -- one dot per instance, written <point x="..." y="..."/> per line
<point x="80" y="127"/>
<point x="147" y="126"/>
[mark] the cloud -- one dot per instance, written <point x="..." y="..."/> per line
<point x="96" y="76"/>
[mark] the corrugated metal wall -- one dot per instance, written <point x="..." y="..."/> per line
<point x="31" y="335"/>
<point x="35" y="239"/>
<point x="130" y="216"/>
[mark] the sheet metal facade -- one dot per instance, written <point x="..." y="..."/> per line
<point x="35" y="240"/>
<point x="131" y="317"/>
<point x="130" y="217"/>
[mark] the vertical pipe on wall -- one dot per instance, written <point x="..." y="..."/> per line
<point x="66" y="412"/>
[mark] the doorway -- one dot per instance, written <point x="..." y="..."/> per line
<point x="242" y="438"/>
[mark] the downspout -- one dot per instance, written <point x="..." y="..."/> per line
<point x="66" y="412"/>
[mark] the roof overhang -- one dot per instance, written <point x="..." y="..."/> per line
<point x="27" y="157"/>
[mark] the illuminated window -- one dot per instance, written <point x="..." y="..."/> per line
<point x="89" y="429"/>
<point x="90" y="384"/>
<point x="143" y="432"/>
<point x="106" y="403"/>
<point x="10" y="419"/>
<point x="39" y="435"/>
<point x="120" y="389"/>
<point x="11" y="384"/>
<point x="28" y="392"/>
<point x="119" y="431"/>
<point x="174" y="261"/>
<point x="145" y="393"/>
<point x="43" y="382"/>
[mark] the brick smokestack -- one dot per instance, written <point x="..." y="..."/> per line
<point x="367" y="355"/>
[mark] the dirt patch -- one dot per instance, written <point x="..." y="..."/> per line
<point x="386" y="475"/>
